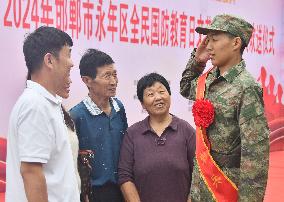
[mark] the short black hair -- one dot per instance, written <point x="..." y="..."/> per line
<point x="149" y="80"/>
<point x="40" y="42"/>
<point x="91" y="60"/>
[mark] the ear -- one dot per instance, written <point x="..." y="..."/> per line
<point x="87" y="80"/>
<point x="48" y="60"/>
<point x="237" y="43"/>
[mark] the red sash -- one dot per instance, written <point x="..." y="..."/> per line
<point x="220" y="186"/>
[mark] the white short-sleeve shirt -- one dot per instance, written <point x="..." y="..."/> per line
<point x="37" y="133"/>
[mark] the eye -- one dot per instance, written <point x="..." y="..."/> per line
<point x="150" y="94"/>
<point x="107" y="76"/>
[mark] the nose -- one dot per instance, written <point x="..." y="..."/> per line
<point x="158" y="96"/>
<point x="209" y="45"/>
<point x="113" y="80"/>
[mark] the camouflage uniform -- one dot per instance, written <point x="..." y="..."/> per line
<point x="239" y="135"/>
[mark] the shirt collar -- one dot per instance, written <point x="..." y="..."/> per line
<point x="233" y="72"/>
<point x="42" y="91"/>
<point x="93" y="107"/>
<point x="230" y="74"/>
<point x="146" y="125"/>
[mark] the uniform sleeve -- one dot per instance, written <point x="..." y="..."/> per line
<point x="126" y="160"/>
<point x="35" y="135"/>
<point x="188" y="81"/>
<point x="254" y="146"/>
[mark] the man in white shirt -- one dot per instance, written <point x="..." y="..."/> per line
<point x="39" y="159"/>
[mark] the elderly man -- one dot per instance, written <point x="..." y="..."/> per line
<point x="100" y="122"/>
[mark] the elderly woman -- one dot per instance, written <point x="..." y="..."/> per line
<point x="156" y="156"/>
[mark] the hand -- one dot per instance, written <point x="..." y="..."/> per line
<point x="188" y="198"/>
<point x="202" y="55"/>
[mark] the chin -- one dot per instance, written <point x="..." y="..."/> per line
<point x="160" y="113"/>
<point x="214" y="63"/>
<point x="65" y="95"/>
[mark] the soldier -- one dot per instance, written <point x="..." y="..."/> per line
<point x="237" y="142"/>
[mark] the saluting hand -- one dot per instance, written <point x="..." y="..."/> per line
<point x="202" y="55"/>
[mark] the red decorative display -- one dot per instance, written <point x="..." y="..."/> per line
<point x="123" y="22"/>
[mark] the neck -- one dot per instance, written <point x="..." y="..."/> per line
<point x="234" y="61"/>
<point x="101" y="102"/>
<point x="45" y="81"/>
<point x="159" y="123"/>
<point x="160" y="119"/>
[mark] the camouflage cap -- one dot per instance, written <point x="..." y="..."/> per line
<point x="230" y="24"/>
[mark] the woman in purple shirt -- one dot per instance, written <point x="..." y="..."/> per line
<point x="156" y="157"/>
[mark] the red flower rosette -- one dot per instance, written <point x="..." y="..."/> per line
<point x="203" y="113"/>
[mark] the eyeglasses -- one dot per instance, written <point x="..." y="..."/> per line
<point x="161" y="141"/>
<point x="108" y="77"/>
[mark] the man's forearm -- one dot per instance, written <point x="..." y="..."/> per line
<point x="192" y="71"/>
<point x="34" y="182"/>
<point x="130" y="192"/>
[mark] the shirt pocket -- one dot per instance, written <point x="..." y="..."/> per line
<point x="226" y="106"/>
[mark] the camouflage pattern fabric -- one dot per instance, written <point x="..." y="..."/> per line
<point x="228" y="23"/>
<point x="239" y="135"/>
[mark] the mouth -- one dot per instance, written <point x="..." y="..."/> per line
<point x="112" y="89"/>
<point x="67" y="89"/>
<point x="211" y="56"/>
<point x="159" y="105"/>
